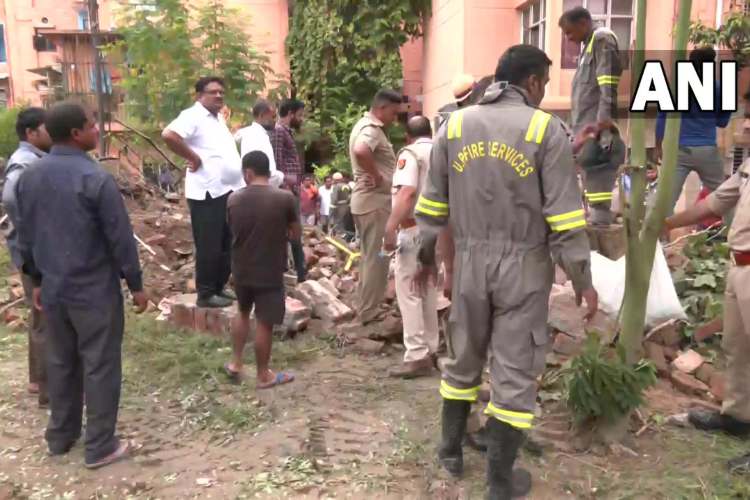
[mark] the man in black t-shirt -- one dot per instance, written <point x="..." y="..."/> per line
<point x="262" y="219"/>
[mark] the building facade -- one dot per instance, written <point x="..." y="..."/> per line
<point x="41" y="39"/>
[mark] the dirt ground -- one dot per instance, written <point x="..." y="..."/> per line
<point x="341" y="430"/>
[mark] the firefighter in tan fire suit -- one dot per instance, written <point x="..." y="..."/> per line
<point x="594" y="106"/>
<point x="502" y="174"/>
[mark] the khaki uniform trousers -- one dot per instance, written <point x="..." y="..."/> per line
<point x="500" y="308"/>
<point x="373" y="268"/>
<point x="419" y="314"/>
<point x="736" y="343"/>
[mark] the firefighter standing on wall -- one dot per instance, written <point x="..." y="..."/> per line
<point x="593" y="108"/>
<point x="502" y="174"/>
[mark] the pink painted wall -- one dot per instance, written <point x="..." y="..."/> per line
<point x="268" y="25"/>
<point x="20" y="17"/>
<point x="411" y="54"/>
<point x="469" y="35"/>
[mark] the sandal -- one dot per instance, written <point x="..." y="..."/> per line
<point x="234" y="377"/>
<point x="281" y="378"/>
<point x="117" y="455"/>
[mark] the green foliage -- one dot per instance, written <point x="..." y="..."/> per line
<point x="341" y="52"/>
<point x="321" y="172"/>
<point x="733" y="35"/>
<point x="700" y="284"/>
<point x="8" y="137"/>
<point x="603" y="388"/>
<point x="227" y="50"/>
<point x="170" y="44"/>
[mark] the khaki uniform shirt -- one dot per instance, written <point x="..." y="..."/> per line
<point x="735" y="192"/>
<point x="413" y="162"/>
<point x="369" y="131"/>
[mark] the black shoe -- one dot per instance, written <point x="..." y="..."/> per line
<point x="61" y="450"/>
<point x="504" y="482"/>
<point x="715" y="421"/>
<point x="477" y="440"/>
<point x="214" y="302"/>
<point x="455" y="414"/>
<point x="227" y="294"/>
<point x="740" y="465"/>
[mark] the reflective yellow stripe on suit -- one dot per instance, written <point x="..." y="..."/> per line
<point x="518" y="419"/>
<point x="567" y="221"/>
<point x="433" y="208"/>
<point x="597" y="197"/>
<point x="537" y="126"/>
<point x="608" y="80"/>
<point x="449" y="392"/>
<point x="455" y="124"/>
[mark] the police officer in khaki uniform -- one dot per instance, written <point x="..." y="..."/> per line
<point x="373" y="163"/>
<point x="419" y="311"/>
<point x="594" y="106"/>
<point x="502" y="175"/>
<point x="734" y="193"/>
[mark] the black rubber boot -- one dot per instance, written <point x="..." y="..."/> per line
<point x="715" y="421"/>
<point x="503" y="443"/>
<point x="477" y="440"/>
<point x="455" y="414"/>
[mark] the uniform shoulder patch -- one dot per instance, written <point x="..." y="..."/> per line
<point x="401" y="163"/>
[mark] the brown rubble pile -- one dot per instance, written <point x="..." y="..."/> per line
<point x="687" y="369"/>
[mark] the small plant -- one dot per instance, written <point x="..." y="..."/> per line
<point x="701" y="282"/>
<point x="603" y="388"/>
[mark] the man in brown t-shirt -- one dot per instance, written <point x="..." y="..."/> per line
<point x="262" y="219"/>
<point x="373" y="163"/>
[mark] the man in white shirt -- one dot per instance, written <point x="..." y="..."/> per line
<point x="256" y="137"/>
<point x="325" y="202"/>
<point x="201" y="137"/>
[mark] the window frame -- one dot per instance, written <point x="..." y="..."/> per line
<point x="3" y="45"/>
<point x="607" y="18"/>
<point x="540" y="25"/>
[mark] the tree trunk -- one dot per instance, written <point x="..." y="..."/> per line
<point x="642" y="229"/>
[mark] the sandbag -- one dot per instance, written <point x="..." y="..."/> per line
<point x="662" y="304"/>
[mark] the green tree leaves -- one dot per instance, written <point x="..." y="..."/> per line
<point x="341" y="52"/>
<point x="170" y="44"/>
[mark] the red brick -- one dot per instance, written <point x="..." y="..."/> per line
<point x="718" y="385"/>
<point x="367" y="346"/>
<point x="705" y="373"/>
<point x="671" y="353"/>
<point x="218" y="323"/>
<point x="688" y="384"/>
<point x="688" y="362"/>
<point x="655" y="353"/>
<point x="156" y="239"/>
<point x="183" y="316"/>
<point x="328" y="261"/>
<point x="566" y="345"/>
<point x="310" y="258"/>
<point x="200" y="319"/>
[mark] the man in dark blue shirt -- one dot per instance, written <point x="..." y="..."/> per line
<point x="76" y="243"/>
<point x="698" y="151"/>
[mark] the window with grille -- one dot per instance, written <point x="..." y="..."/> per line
<point x="617" y="15"/>
<point x="533" y="22"/>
